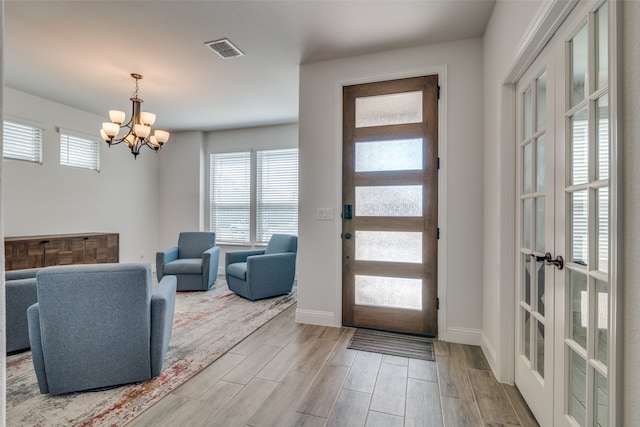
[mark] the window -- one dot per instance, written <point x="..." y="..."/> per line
<point x="79" y="152"/>
<point x="22" y="142"/>
<point x="253" y="194"/>
<point x="276" y="193"/>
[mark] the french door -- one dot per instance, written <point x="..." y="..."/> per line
<point x="390" y="200"/>
<point x="562" y="306"/>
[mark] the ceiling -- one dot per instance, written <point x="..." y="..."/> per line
<point x="81" y="53"/>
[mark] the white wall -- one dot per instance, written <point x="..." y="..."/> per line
<point x="629" y="299"/>
<point x="319" y="272"/>
<point x="50" y="199"/>
<point x="505" y="31"/>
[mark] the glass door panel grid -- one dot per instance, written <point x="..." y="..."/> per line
<point x="533" y="216"/>
<point x="587" y="206"/>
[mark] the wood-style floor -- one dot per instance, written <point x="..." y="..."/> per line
<point x="289" y="374"/>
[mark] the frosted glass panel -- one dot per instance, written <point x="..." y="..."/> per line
<point x="603" y="229"/>
<point x="526" y="114"/>
<point x="541" y="102"/>
<point x="579" y="66"/>
<point x="540" y="224"/>
<point x="526" y="223"/>
<point x="394" y="155"/>
<point x="602" y="313"/>
<point x="539" y="348"/>
<point x="393" y="109"/>
<point x="527" y="166"/>
<point x="395" y="200"/>
<point x="389" y="292"/>
<point x="602" y="52"/>
<point x="579" y="227"/>
<point x="389" y="246"/>
<point x="578" y="388"/>
<point x="540" y="163"/>
<point x="579" y="308"/>
<point x="602" y="144"/>
<point x="579" y="147"/>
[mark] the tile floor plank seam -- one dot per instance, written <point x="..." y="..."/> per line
<point x="282" y="337"/>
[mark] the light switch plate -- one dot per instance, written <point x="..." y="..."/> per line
<point x="325" y="214"/>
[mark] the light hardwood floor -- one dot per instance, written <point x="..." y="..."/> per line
<point x="289" y="374"/>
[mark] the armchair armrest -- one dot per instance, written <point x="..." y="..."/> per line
<point x="37" y="354"/>
<point x="271" y="274"/>
<point x="28" y="273"/>
<point x="163" y="257"/>
<point x="241" y="256"/>
<point x="163" y="302"/>
<point x="210" y="262"/>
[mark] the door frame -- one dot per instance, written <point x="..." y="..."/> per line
<point x="441" y="72"/>
<point x="546" y="23"/>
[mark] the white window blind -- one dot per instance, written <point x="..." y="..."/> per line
<point x="79" y="152"/>
<point x="230" y="198"/>
<point x="22" y="142"/>
<point x="276" y="193"/>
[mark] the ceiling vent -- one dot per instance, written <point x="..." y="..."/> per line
<point x="224" y="48"/>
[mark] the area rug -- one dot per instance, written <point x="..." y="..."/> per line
<point x="393" y="344"/>
<point x="206" y="325"/>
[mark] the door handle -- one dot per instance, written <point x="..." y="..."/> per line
<point x="548" y="260"/>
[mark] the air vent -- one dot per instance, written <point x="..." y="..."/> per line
<point x="224" y="48"/>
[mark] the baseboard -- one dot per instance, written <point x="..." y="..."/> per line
<point x="314" y="317"/>
<point x="464" y="336"/>
<point x="490" y="354"/>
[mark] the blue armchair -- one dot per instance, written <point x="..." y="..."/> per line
<point x="99" y="325"/>
<point x="20" y="294"/>
<point x="194" y="261"/>
<point x="257" y="274"/>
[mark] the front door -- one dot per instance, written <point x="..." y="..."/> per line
<point x="390" y="205"/>
<point x="562" y="293"/>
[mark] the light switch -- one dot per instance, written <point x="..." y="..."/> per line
<point x="325" y="214"/>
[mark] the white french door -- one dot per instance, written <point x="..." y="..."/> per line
<point x="562" y="294"/>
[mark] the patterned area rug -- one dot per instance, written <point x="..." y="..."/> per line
<point x="206" y="325"/>
<point x="411" y="346"/>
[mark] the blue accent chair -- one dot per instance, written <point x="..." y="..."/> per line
<point x="98" y="326"/>
<point x="194" y="261"/>
<point x="20" y="294"/>
<point x="258" y="274"/>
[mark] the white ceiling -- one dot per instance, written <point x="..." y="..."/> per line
<point x="81" y="52"/>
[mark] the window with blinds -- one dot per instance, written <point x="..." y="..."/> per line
<point x="253" y="194"/>
<point x="230" y="197"/>
<point x="276" y="193"/>
<point x="79" y="152"/>
<point x="22" y="142"/>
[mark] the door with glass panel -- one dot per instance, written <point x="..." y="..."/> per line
<point x="562" y="339"/>
<point x="389" y="218"/>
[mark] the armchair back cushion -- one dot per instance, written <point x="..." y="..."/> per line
<point x="92" y="326"/>
<point x="192" y="244"/>
<point x="281" y="243"/>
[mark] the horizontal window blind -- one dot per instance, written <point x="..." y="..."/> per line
<point x="276" y="193"/>
<point x="22" y="142"/>
<point x="79" y="152"/>
<point x="230" y="198"/>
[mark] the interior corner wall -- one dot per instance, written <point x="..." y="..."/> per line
<point x="181" y="183"/>
<point x="506" y="30"/>
<point x="52" y="199"/>
<point x="319" y="272"/>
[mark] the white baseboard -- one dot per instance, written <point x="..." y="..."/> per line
<point x="464" y="336"/>
<point x="314" y="317"/>
<point x="490" y="354"/>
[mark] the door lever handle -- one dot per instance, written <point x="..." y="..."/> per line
<point x="548" y="260"/>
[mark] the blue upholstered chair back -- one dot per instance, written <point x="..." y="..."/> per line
<point x="191" y="244"/>
<point x="282" y="243"/>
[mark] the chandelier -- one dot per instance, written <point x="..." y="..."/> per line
<point x="138" y="128"/>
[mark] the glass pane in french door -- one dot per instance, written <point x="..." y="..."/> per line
<point x="585" y="344"/>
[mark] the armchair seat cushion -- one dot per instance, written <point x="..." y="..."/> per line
<point x="184" y="266"/>
<point x="238" y="269"/>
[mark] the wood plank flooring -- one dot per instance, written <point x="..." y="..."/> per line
<point x="289" y="374"/>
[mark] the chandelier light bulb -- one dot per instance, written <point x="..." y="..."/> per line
<point x="161" y="136"/>
<point x="142" y="131"/>
<point x="147" y="118"/>
<point x="110" y="129"/>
